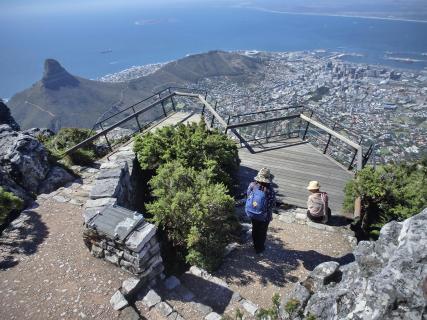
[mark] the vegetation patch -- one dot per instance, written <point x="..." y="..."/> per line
<point x="389" y="192"/>
<point x="192" y="206"/>
<point x="67" y="138"/>
<point x="8" y="203"/>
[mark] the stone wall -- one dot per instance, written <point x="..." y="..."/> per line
<point x="115" y="184"/>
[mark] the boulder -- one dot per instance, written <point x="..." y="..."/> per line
<point x="23" y="158"/>
<point x="37" y="132"/>
<point x="385" y="281"/>
<point x="56" y="177"/>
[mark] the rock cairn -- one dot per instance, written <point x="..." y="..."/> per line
<point x="385" y="282"/>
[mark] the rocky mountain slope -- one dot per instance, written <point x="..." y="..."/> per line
<point x="388" y="280"/>
<point x="61" y="99"/>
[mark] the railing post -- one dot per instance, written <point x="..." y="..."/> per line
<point x="173" y="103"/>
<point x="163" y="108"/>
<point x="213" y="118"/>
<point x="356" y="153"/>
<point x="228" y="122"/>
<point x="306" y="128"/>
<point x="136" y="118"/>
<point x="329" y="139"/>
<point x="106" y="139"/>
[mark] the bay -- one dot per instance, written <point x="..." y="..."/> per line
<point x="91" y="44"/>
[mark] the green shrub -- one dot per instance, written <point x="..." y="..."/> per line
<point x="8" y="203"/>
<point x="193" y="146"/>
<point x="389" y="192"/>
<point x="273" y="312"/>
<point x="196" y="214"/>
<point x="67" y="138"/>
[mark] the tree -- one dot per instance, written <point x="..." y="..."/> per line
<point x="196" y="214"/>
<point x="389" y="192"/>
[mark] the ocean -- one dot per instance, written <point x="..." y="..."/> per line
<point x="97" y="42"/>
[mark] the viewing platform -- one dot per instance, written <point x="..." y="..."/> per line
<point x="296" y="144"/>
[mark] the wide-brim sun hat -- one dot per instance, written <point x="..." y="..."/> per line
<point x="313" y="185"/>
<point x="264" y="176"/>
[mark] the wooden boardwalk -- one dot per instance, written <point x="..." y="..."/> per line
<point x="293" y="167"/>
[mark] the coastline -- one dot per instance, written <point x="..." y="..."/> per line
<point x="332" y="15"/>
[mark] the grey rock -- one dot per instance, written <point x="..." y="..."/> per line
<point x="385" y="281"/>
<point x="213" y="316"/>
<point x="140" y="237"/>
<point x="249" y="306"/>
<point x="60" y="198"/>
<point x="8" y="184"/>
<point x="112" y="173"/>
<point x="164" y="308"/>
<point x="236" y="297"/>
<point x="56" y="177"/>
<point x="175" y="316"/>
<point x="322" y="275"/>
<point x="171" y="282"/>
<point x="97" y="203"/>
<point x="97" y="252"/>
<point x="151" y="298"/>
<point x="89" y="213"/>
<point x="118" y="301"/>
<point x="106" y="188"/>
<point x="130" y="286"/>
<point x="129" y="313"/>
<point x="113" y="258"/>
<point x="23" y="158"/>
<point x="299" y="293"/>
<point x="202" y="308"/>
<point x="39" y="132"/>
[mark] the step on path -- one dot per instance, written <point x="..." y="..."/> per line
<point x="195" y="295"/>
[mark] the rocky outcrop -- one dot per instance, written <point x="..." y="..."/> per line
<point x="37" y="132"/>
<point x="25" y="168"/>
<point x="6" y="117"/>
<point x="385" y="282"/>
<point x="23" y="158"/>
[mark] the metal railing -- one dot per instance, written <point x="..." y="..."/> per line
<point x="249" y="129"/>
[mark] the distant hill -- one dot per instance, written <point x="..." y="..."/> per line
<point x="61" y="99"/>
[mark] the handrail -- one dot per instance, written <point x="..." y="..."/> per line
<point x="265" y="111"/>
<point x="103" y="132"/>
<point x="251" y="123"/>
<point x="356" y="146"/>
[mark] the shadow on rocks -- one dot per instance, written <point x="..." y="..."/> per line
<point x="23" y="237"/>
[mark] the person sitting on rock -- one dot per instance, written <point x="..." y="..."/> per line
<point x="261" y="200"/>
<point x="317" y="204"/>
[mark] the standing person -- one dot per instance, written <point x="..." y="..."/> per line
<point x="259" y="207"/>
<point x="317" y="204"/>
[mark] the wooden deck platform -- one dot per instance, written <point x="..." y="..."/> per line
<point x="293" y="167"/>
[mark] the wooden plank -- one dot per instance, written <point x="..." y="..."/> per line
<point x="293" y="167"/>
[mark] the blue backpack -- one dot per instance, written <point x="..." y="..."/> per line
<point x="256" y="204"/>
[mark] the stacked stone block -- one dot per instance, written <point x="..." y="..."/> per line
<point x="139" y="253"/>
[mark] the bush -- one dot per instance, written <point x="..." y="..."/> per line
<point x="67" y="138"/>
<point x="193" y="146"/>
<point x="390" y="192"/>
<point x="196" y="214"/>
<point x="8" y="203"/>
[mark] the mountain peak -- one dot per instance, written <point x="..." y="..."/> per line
<point x="55" y="76"/>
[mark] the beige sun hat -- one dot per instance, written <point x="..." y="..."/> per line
<point x="263" y="175"/>
<point x="313" y="185"/>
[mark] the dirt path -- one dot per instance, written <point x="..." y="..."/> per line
<point x="292" y="250"/>
<point x="48" y="273"/>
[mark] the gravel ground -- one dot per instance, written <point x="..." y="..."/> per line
<point x="292" y="251"/>
<point x="48" y="273"/>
